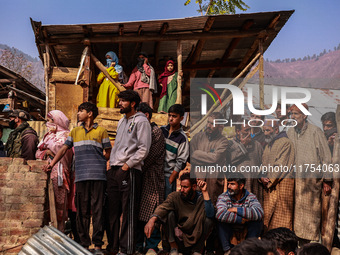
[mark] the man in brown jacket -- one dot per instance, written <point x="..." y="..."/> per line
<point x="187" y="215"/>
<point x="311" y="152"/>
<point x="278" y="191"/>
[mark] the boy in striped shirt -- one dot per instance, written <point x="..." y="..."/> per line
<point x="237" y="206"/>
<point x="89" y="142"/>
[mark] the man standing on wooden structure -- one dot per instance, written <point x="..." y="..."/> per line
<point x="124" y="179"/>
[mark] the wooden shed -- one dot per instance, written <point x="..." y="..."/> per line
<point x="18" y="93"/>
<point x="205" y="46"/>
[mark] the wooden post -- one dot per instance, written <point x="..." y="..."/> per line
<point x="261" y="76"/>
<point x="51" y="198"/>
<point x="46" y="57"/>
<point x="87" y="76"/>
<point x="179" y="77"/>
<point x="103" y="69"/>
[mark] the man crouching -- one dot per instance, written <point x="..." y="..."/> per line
<point x="187" y="215"/>
<point x="237" y="209"/>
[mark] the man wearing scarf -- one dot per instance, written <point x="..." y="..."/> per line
<point x="311" y="149"/>
<point x="143" y="79"/>
<point x="168" y="82"/>
<point x="278" y="193"/>
<point x="23" y="140"/>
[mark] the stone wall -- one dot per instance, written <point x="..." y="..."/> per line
<point x="23" y="201"/>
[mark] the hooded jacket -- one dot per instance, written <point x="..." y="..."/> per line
<point x="133" y="141"/>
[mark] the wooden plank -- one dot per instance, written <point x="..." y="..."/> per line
<point x="109" y="125"/>
<point x="168" y="37"/>
<point x="261" y="77"/>
<point x="113" y="114"/>
<point x="51" y="96"/>
<point x="65" y="74"/>
<point x="200" y="44"/>
<point x="87" y="76"/>
<point x="51" y="198"/>
<point x="5" y="100"/>
<point x="232" y="46"/>
<point x="103" y="69"/>
<point x="68" y="97"/>
<point x="46" y="79"/>
<point x="271" y="26"/>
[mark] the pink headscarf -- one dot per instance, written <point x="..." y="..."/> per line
<point x="60" y="119"/>
<point x="55" y="140"/>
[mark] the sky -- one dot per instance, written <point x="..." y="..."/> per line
<point x="313" y="27"/>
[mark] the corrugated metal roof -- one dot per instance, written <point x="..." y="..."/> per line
<point x="51" y="241"/>
<point x="322" y="100"/>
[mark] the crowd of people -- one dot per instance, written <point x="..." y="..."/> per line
<point x="142" y="80"/>
<point x="136" y="201"/>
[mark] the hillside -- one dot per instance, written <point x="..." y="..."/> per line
<point x="320" y="72"/>
<point x="28" y="67"/>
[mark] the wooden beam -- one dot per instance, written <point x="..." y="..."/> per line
<point x="27" y="94"/>
<point x="233" y="44"/>
<point x="163" y="30"/>
<point x="6" y="80"/>
<point x="179" y="69"/>
<point x="166" y="37"/>
<point x="46" y="57"/>
<point x="103" y="69"/>
<point x="200" y="44"/>
<point x="261" y="76"/>
<point x="261" y="36"/>
<point x="64" y="74"/>
<point x="87" y="76"/>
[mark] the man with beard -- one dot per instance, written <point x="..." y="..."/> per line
<point x="209" y="148"/>
<point x="124" y="179"/>
<point x="256" y="122"/>
<point x="246" y="152"/>
<point x="188" y="215"/>
<point x="329" y="128"/>
<point x="278" y="194"/>
<point x="330" y="216"/>
<point x="23" y="140"/>
<point x="237" y="207"/>
<point x="143" y="79"/>
<point x="311" y="149"/>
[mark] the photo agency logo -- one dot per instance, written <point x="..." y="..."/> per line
<point x="286" y="96"/>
